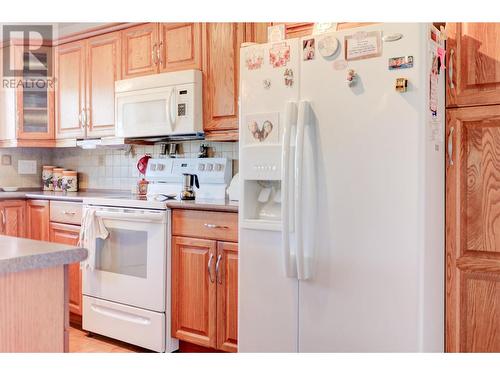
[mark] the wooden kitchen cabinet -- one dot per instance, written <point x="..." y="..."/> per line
<point x="103" y="68"/>
<point x="473" y="64"/>
<point x="194" y="290"/>
<point x="227" y="296"/>
<point x="180" y="46"/>
<point x="12" y="218"/>
<point x="69" y="234"/>
<point x="205" y="279"/>
<point x="86" y="74"/>
<point x="472" y="235"/>
<point x="221" y="50"/>
<point x="161" y="47"/>
<point x="70" y="92"/>
<point x="37" y="219"/>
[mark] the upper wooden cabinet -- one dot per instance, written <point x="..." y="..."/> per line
<point x="221" y="50"/>
<point x="12" y="218"/>
<point x="86" y="75"/>
<point x="70" y="91"/>
<point x="140" y="50"/>
<point x="103" y="69"/>
<point x="37" y="220"/>
<point x="180" y="46"/>
<point x="473" y="64"/>
<point x="472" y="230"/>
<point x="161" y="47"/>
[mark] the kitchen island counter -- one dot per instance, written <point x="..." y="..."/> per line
<point x="34" y="294"/>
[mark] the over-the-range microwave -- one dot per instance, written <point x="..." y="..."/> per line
<point x="166" y="104"/>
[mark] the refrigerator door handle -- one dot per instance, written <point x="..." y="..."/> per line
<point x="298" y="198"/>
<point x="286" y="202"/>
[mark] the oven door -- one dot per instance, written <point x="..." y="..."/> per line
<point x="130" y="265"/>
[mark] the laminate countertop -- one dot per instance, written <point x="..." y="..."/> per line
<point x="20" y="254"/>
<point x="54" y="195"/>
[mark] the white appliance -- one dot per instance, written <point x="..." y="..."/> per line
<point x="159" y="105"/>
<point x="127" y="294"/>
<point x="355" y="260"/>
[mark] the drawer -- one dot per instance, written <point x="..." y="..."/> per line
<point x="66" y="212"/>
<point x="222" y="226"/>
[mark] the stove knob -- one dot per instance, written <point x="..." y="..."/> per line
<point x="152" y="167"/>
<point x="218" y="167"/>
<point x="210" y="166"/>
<point x="161" y="167"/>
<point x="201" y="167"/>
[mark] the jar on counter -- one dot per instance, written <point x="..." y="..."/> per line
<point x="57" y="178"/>
<point x="69" y="181"/>
<point x="142" y="187"/>
<point x="47" y="175"/>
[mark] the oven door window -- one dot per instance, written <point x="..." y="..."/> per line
<point x="124" y="252"/>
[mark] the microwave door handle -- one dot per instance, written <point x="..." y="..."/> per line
<point x="172" y="110"/>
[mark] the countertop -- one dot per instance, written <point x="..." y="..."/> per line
<point x="113" y="195"/>
<point x="19" y="254"/>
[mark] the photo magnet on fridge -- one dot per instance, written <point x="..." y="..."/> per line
<point x="254" y="58"/>
<point x="279" y="55"/>
<point x="262" y="128"/>
<point x="401" y="62"/>
<point x="308" y="49"/>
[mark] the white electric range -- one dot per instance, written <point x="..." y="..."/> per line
<point x="126" y="294"/>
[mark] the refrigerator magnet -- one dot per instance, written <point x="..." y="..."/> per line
<point x="363" y="45"/>
<point x="308" y="49"/>
<point x="279" y="55"/>
<point x="328" y="45"/>
<point x="339" y="65"/>
<point x="262" y="128"/>
<point x="400" y="62"/>
<point x="266" y="83"/>
<point x="254" y="58"/>
<point x="288" y="76"/>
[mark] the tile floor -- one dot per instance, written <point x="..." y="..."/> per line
<point x="80" y="342"/>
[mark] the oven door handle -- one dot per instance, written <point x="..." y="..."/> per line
<point x="149" y="217"/>
<point x="121" y="315"/>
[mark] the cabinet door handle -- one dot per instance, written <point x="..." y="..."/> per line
<point x="450" y="146"/>
<point x="215" y="226"/>
<point x="87" y="117"/>
<point x="154" y="54"/>
<point x="69" y="213"/>
<point x="450" y="69"/>
<point x="159" y="54"/>
<point x="219" y="279"/>
<point x="3" y="217"/>
<point x="80" y="118"/>
<point x="210" y="268"/>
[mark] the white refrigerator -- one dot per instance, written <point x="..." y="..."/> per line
<point x="342" y="192"/>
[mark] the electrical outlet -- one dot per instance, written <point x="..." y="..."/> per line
<point x="6" y="160"/>
<point x="26" y="166"/>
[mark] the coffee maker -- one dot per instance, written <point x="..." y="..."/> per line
<point x="188" y="191"/>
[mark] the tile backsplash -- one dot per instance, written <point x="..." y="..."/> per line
<point x="101" y="168"/>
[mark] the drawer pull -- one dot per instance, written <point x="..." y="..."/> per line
<point x="215" y="226"/>
<point x="69" y="213"/>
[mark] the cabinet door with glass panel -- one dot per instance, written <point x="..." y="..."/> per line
<point x="34" y="93"/>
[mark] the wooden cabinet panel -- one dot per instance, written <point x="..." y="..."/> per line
<point x="473" y="57"/>
<point x="194" y="290"/>
<point x="12" y="215"/>
<point x="37" y="217"/>
<point x="70" y="93"/>
<point x="473" y="230"/>
<point x="227" y="296"/>
<point x="221" y="45"/>
<point x="69" y="235"/>
<point x="139" y="54"/>
<point x="103" y="69"/>
<point x="180" y="46"/>
<point x="221" y="226"/>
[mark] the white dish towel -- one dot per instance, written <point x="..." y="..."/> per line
<point x="92" y="228"/>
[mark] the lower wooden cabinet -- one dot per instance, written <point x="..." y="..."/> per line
<point x="12" y="222"/>
<point x="69" y="234"/>
<point x="37" y="219"/>
<point x="205" y="291"/>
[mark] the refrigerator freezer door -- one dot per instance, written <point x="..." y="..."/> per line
<point x="367" y="289"/>
<point x="268" y="299"/>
